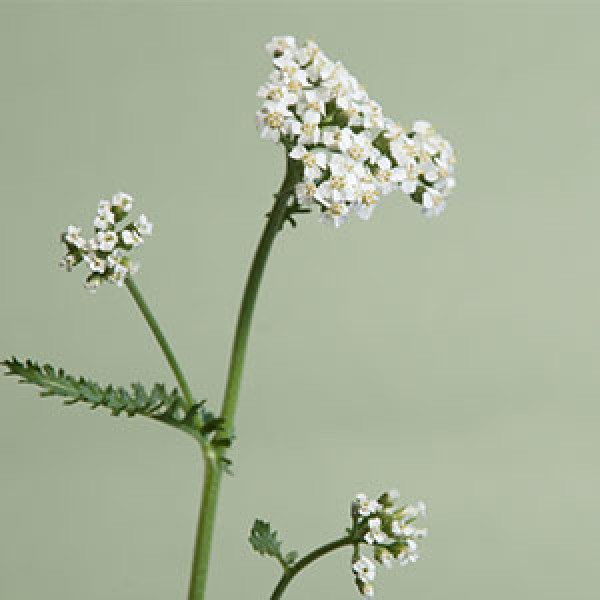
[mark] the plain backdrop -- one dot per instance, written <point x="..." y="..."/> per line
<point x="456" y="359"/>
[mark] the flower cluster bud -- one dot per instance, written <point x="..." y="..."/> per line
<point x="107" y="253"/>
<point x="388" y="528"/>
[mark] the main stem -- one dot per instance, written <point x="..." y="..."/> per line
<point x="213" y="471"/>
<point x="161" y="339"/>
<point x="290" y="573"/>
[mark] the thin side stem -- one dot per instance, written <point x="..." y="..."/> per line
<point x="212" y="480"/>
<point x="161" y="339"/>
<point x="307" y="560"/>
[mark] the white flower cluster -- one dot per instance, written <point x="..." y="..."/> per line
<point x="351" y="153"/>
<point x="389" y="530"/>
<point x="106" y="254"/>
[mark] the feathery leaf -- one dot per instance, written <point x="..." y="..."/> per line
<point x="158" y="403"/>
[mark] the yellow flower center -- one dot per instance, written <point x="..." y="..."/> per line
<point x="310" y="160"/>
<point x="275" y="94"/>
<point x="336" y="209"/>
<point x="384" y="175"/>
<point x="355" y="152"/>
<point x="368" y="199"/>
<point x="337" y="182"/>
<point x="274" y="120"/>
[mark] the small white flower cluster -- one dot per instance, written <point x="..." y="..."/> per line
<point x="389" y="530"/>
<point x="350" y="152"/>
<point x="106" y="254"/>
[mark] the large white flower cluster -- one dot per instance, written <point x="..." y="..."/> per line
<point x="106" y="254"/>
<point x="390" y="530"/>
<point x="352" y="154"/>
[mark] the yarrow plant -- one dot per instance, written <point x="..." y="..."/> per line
<point x="342" y="156"/>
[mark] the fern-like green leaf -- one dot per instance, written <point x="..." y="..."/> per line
<point x="158" y="403"/>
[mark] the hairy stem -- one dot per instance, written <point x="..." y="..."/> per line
<point x="213" y="474"/>
<point x="307" y="560"/>
<point x="161" y="339"/>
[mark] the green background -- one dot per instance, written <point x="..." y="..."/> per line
<point x="455" y="359"/>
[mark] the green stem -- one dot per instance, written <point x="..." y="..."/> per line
<point x="206" y="524"/>
<point x="160" y="338"/>
<point x="240" y="342"/>
<point x="213" y="474"/>
<point x="307" y="560"/>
